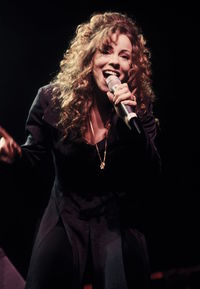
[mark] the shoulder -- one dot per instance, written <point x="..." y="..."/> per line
<point x="43" y="106"/>
<point x="44" y="96"/>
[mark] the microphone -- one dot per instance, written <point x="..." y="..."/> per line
<point x="123" y="110"/>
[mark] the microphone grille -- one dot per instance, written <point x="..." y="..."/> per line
<point x="112" y="81"/>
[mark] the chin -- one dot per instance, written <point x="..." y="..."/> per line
<point x="104" y="88"/>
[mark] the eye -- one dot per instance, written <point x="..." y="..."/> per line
<point x="125" y="56"/>
<point x="106" y="49"/>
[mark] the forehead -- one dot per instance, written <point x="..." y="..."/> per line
<point x="116" y="39"/>
<point x="120" y="40"/>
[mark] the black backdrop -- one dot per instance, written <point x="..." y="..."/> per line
<point x="34" y="37"/>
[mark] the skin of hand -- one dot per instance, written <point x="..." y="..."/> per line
<point x="9" y="149"/>
<point x="124" y="95"/>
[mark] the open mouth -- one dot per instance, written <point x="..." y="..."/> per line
<point x="107" y="73"/>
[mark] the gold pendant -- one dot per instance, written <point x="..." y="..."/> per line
<point x="102" y="165"/>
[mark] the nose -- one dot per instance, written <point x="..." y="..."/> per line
<point x="114" y="60"/>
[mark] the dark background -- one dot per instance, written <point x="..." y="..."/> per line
<point x="34" y="37"/>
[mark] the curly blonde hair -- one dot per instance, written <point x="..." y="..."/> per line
<point x="73" y="85"/>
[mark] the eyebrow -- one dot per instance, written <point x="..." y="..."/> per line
<point x="125" y="50"/>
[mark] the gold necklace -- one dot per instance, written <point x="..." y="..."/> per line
<point x="102" y="162"/>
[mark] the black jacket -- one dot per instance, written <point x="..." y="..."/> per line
<point x="81" y="191"/>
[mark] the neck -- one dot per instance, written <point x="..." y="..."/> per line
<point x="99" y="117"/>
<point x="102" y="109"/>
<point x="96" y="119"/>
<point x="99" y="124"/>
<point x="99" y="120"/>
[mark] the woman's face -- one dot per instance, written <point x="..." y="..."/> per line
<point x="115" y="58"/>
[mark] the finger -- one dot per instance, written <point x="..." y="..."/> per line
<point x="124" y="96"/>
<point x="3" y="146"/>
<point x="134" y="90"/>
<point x="2" y="142"/>
<point x="17" y="148"/>
<point x="6" y="143"/>
<point x="130" y="102"/>
<point x="13" y="147"/>
<point x="121" y="88"/>
<point x="4" y="133"/>
<point x="133" y="97"/>
<point x="5" y="152"/>
<point x="10" y="146"/>
<point x="122" y="92"/>
<point x="110" y="96"/>
<point x="8" y="154"/>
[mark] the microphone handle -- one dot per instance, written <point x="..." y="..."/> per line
<point x="130" y="117"/>
<point x="133" y="123"/>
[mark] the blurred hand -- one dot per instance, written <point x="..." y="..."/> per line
<point x="9" y="149"/>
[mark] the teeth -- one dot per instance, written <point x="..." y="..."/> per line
<point x="108" y="72"/>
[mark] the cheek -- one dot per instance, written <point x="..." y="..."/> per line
<point x="96" y="73"/>
<point x="126" y="66"/>
<point x="125" y="69"/>
<point x="99" y="61"/>
<point x="97" y="69"/>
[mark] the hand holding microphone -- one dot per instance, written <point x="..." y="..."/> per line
<point x="124" y="101"/>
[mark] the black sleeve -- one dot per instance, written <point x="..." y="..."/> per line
<point x="37" y="147"/>
<point x="147" y="142"/>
